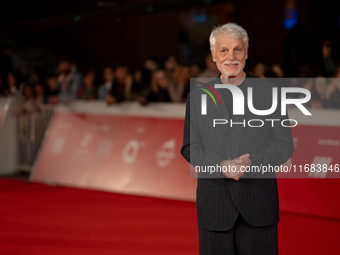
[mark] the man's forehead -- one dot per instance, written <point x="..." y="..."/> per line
<point x="229" y="39"/>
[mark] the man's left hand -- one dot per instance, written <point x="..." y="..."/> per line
<point x="243" y="160"/>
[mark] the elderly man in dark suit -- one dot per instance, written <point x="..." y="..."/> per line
<point x="237" y="210"/>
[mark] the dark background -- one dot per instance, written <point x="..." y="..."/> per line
<point x="101" y="33"/>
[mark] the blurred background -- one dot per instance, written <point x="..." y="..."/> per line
<point x="92" y="95"/>
<point x="146" y="51"/>
<point x="301" y="37"/>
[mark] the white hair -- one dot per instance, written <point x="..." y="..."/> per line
<point x="235" y="31"/>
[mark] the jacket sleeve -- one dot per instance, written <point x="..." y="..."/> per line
<point x="280" y="148"/>
<point x="192" y="149"/>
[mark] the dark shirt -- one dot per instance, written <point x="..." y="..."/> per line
<point x="162" y="95"/>
<point x="50" y="92"/>
<point x="117" y="91"/>
<point x="227" y="96"/>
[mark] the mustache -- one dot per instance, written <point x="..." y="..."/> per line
<point x="231" y="62"/>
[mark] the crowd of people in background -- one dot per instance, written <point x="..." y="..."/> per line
<point x="153" y="82"/>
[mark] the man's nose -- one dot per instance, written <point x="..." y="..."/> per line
<point x="231" y="56"/>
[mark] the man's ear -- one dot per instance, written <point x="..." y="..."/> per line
<point x="247" y="53"/>
<point x="213" y="55"/>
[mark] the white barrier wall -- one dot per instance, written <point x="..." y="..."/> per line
<point x="7" y="137"/>
<point x="132" y="149"/>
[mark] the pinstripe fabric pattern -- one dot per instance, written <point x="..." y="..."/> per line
<point x="219" y="199"/>
<point x="241" y="239"/>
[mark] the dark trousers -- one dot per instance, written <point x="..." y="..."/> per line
<point x="241" y="239"/>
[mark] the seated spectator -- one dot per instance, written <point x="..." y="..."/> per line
<point x="35" y="77"/>
<point x="159" y="89"/>
<point x="151" y="64"/>
<point x="260" y="69"/>
<point x="171" y="66"/>
<point x="181" y="87"/>
<point x="333" y="93"/>
<point x="318" y="98"/>
<point x="141" y="85"/>
<point x="194" y="70"/>
<point x="13" y="85"/>
<point x="327" y="67"/>
<point x="121" y="88"/>
<point x="41" y="98"/>
<point x="88" y="90"/>
<point x="305" y="71"/>
<point x="23" y="74"/>
<point x="26" y="102"/>
<point x="52" y="90"/>
<point x="278" y="71"/>
<point x="105" y="88"/>
<point x="211" y="71"/>
<point x="69" y="81"/>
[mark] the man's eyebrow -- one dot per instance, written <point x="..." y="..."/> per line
<point x="238" y="45"/>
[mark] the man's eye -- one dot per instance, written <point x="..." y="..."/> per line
<point x="237" y="49"/>
<point x="223" y="50"/>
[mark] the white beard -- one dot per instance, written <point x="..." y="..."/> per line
<point x="226" y="74"/>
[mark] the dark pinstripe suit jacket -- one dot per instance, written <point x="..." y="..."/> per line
<point x="219" y="199"/>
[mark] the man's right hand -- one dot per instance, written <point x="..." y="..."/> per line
<point x="234" y="170"/>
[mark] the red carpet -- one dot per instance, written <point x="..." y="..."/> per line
<point x="40" y="219"/>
